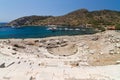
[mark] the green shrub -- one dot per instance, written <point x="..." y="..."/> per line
<point x="117" y="27"/>
<point x="101" y="28"/>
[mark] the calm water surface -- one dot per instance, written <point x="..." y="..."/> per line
<point x="41" y="32"/>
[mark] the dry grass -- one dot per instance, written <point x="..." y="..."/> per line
<point x="101" y="60"/>
<point x="68" y="50"/>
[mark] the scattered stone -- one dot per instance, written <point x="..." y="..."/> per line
<point x="42" y="64"/>
<point x="32" y="78"/>
<point x="6" y="78"/>
<point x="36" y="41"/>
<point x="14" y="53"/>
<point x="62" y="45"/>
<point x="18" y="57"/>
<point x="11" y="64"/>
<point x="25" y="61"/>
<point x="30" y="64"/>
<point x="111" y="52"/>
<point x="95" y="38"/>
<point x="30" y="43"/>
<point x="91" y="51"/>
<point x="117" y="62"/>
<point x="38" y="56"/>
<point x="8" y="47"/>
<point x="19" y="62"/>
<point x="42" y="41"/>
<point x="117" y="45"/>
<point x="15" y="49"/>
<point x="19" y="46"/>
<point x="83" y="64"/>
<point x="2" y="65"/>
<point x="74" y="64"/>
<point x="117" y="40"/>
<point x="39" y="64"/>
<point x="118" y="52"/>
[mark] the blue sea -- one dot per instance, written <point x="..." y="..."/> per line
<point x="41" y="32"/>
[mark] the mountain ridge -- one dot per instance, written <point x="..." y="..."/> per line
<point x="76" y="18"/>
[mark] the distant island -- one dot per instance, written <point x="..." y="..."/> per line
<point x="2" y="24"/>
<point x="102" y="19"/>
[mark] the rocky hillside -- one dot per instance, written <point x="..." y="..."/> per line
<point x="28" y="20"/>
<point x="76" y="18"/>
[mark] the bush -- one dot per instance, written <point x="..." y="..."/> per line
<point x="117" y="27"/>
<point x="101" y="28"/>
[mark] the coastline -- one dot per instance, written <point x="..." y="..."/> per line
<point x="95" y="57"/>
<point x="42" y="32"/>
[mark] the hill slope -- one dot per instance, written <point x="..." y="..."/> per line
<point x="27" y="20"/>
<point x="75" y="18"/>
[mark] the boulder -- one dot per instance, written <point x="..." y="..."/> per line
<point x="2" y="65"/>
<point x="18" y="46"/>
<point x="117" y="62"/>
<point x="117" y="45"/>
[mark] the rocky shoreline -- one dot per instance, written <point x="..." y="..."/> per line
<point x="84" y="57"/>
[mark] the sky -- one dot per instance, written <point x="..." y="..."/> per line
<point x="12" y="9"/>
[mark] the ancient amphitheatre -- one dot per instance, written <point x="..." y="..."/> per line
<point x="84" y="57"/>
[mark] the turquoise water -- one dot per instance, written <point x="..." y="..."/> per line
<point x="41" y="32"/>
